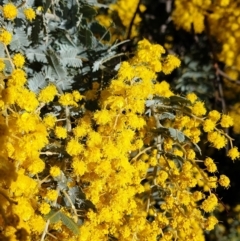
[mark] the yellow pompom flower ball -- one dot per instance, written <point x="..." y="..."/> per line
<point x="61" y="132"/>
<point x="55" y="171"/>
<point x="29" y="14"/>
<point x="44" y="208"/>
<point x="224" y="181"/>
<point x="10" y="11"/>
<point x="48" y="93"/>
<point x="233" y="153"/>
<point x="226" y="121"/>
<point x="18" y="60"/>
<point x="2" y="65"/>
<point x="5" y="37"/>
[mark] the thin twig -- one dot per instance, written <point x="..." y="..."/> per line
<point x="48" y="153"/>
<point x="6" y="197"/>
<point x="9" y="57"/>
<point x="72" y="205"/>
<point x="67" y="113"/>
<point x="111" y="57"/>
<point x="45" y="230"/>
<point x="141" y="152"/>
<point x="132" y="21"/>
<point x="223" y="74"/>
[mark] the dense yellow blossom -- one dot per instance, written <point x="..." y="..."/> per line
<point x="198" y="109"/>
<point x="18" y="60"/>
<point x="224" y="181"/>
<point x="170" y="63"/>
<point x="61" y="132"/>
<point x="55" y="171"/>
<point x="210" y="223"/>
<point x="52" y="195"/>
<point x="125" y="10"/>
<point x="111" y="157"/>
<point x="192" y="97"/>
<point x="48" y="93"/>
<point x="29" y="14"/>
<point x="217" y="140"/>
<point x="18" y="78"/>
<point x="214" y="115"/>
<point x="208" y="125"/>
<point x="23" y="185"/>
<point x="2" y="65"/>
<point x="210" y="203"/>
<point x="37" y="224"/>
<point x="30" y="102"/>
<point x="50" y="120"/>
<point x="74" y="147"/>
<point x="209" y="163"/>
<point x="44" y="208"/>
<point x="67" y="99"/>
<point x="226" y="121"/>
<point x="233" y="153"/>
<point x="5" y="37"/>
<point x="192" y="13"/>
<point x="10" y="11"/>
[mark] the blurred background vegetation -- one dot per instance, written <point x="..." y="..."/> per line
<point x="209" y="68"/>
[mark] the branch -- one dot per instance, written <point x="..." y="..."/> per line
<point x="45" y="230"/>
<point x="72" y="206"/>
<point x="132" y="21"/>
<point x="223" y="74"/>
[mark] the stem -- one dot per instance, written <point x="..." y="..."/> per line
<point x="72" y="205"/>
<point x="67" y="113"/>
<point x="132" y="21"/>
<point x="48" y="153"/>
<point x="9" y="57"/>
<point x="6" y="197"/>
<point x="141" y="152"/>
<point x="45" y="230"/>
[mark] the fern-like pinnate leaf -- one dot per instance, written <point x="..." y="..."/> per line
<point x="63" y="81"/>
<point x="36" y="54"/>
<point x="53" y="216"/>
<point x="56" y="215"/>
<point x="19" y="40"/>
<point x="69" y="223"/>
<point x="55" y="63"/>
<point x="68" y="57"/>
<point x="37" y="82"/>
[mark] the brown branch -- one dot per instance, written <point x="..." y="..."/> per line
<point x="132" y="21"/>
<point x="223" y="74"/>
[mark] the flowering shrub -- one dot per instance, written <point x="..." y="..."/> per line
<point x="91" y="157"/>
<point x="219" y="19"/>
<point x="126" y="16"/>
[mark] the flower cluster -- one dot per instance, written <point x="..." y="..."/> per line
<point x="127" y="170"/>
<point x="125" y="11"/>
<point x="223" y="22"/>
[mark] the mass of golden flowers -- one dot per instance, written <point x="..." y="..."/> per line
<point x="136" y="172"/>
<point x="222" y="17"/>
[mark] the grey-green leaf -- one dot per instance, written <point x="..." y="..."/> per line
<point x="86" y="37"/>
<point x="55" y="63"/>
<point x="19" y="40"/>
<point x="88" y="11"/>
<point x="179" y="100"/>
<point x="54" y="216"/>
<point x="37" y="82"/>
<point x="36" y="54"/>
<point x="176" y="134"/>
<point x="69" y="223"/>
<point x="68" y="57"/>
<point x="167" y="115"/>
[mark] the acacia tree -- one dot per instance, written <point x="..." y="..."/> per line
<point x="94" y="148"/>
